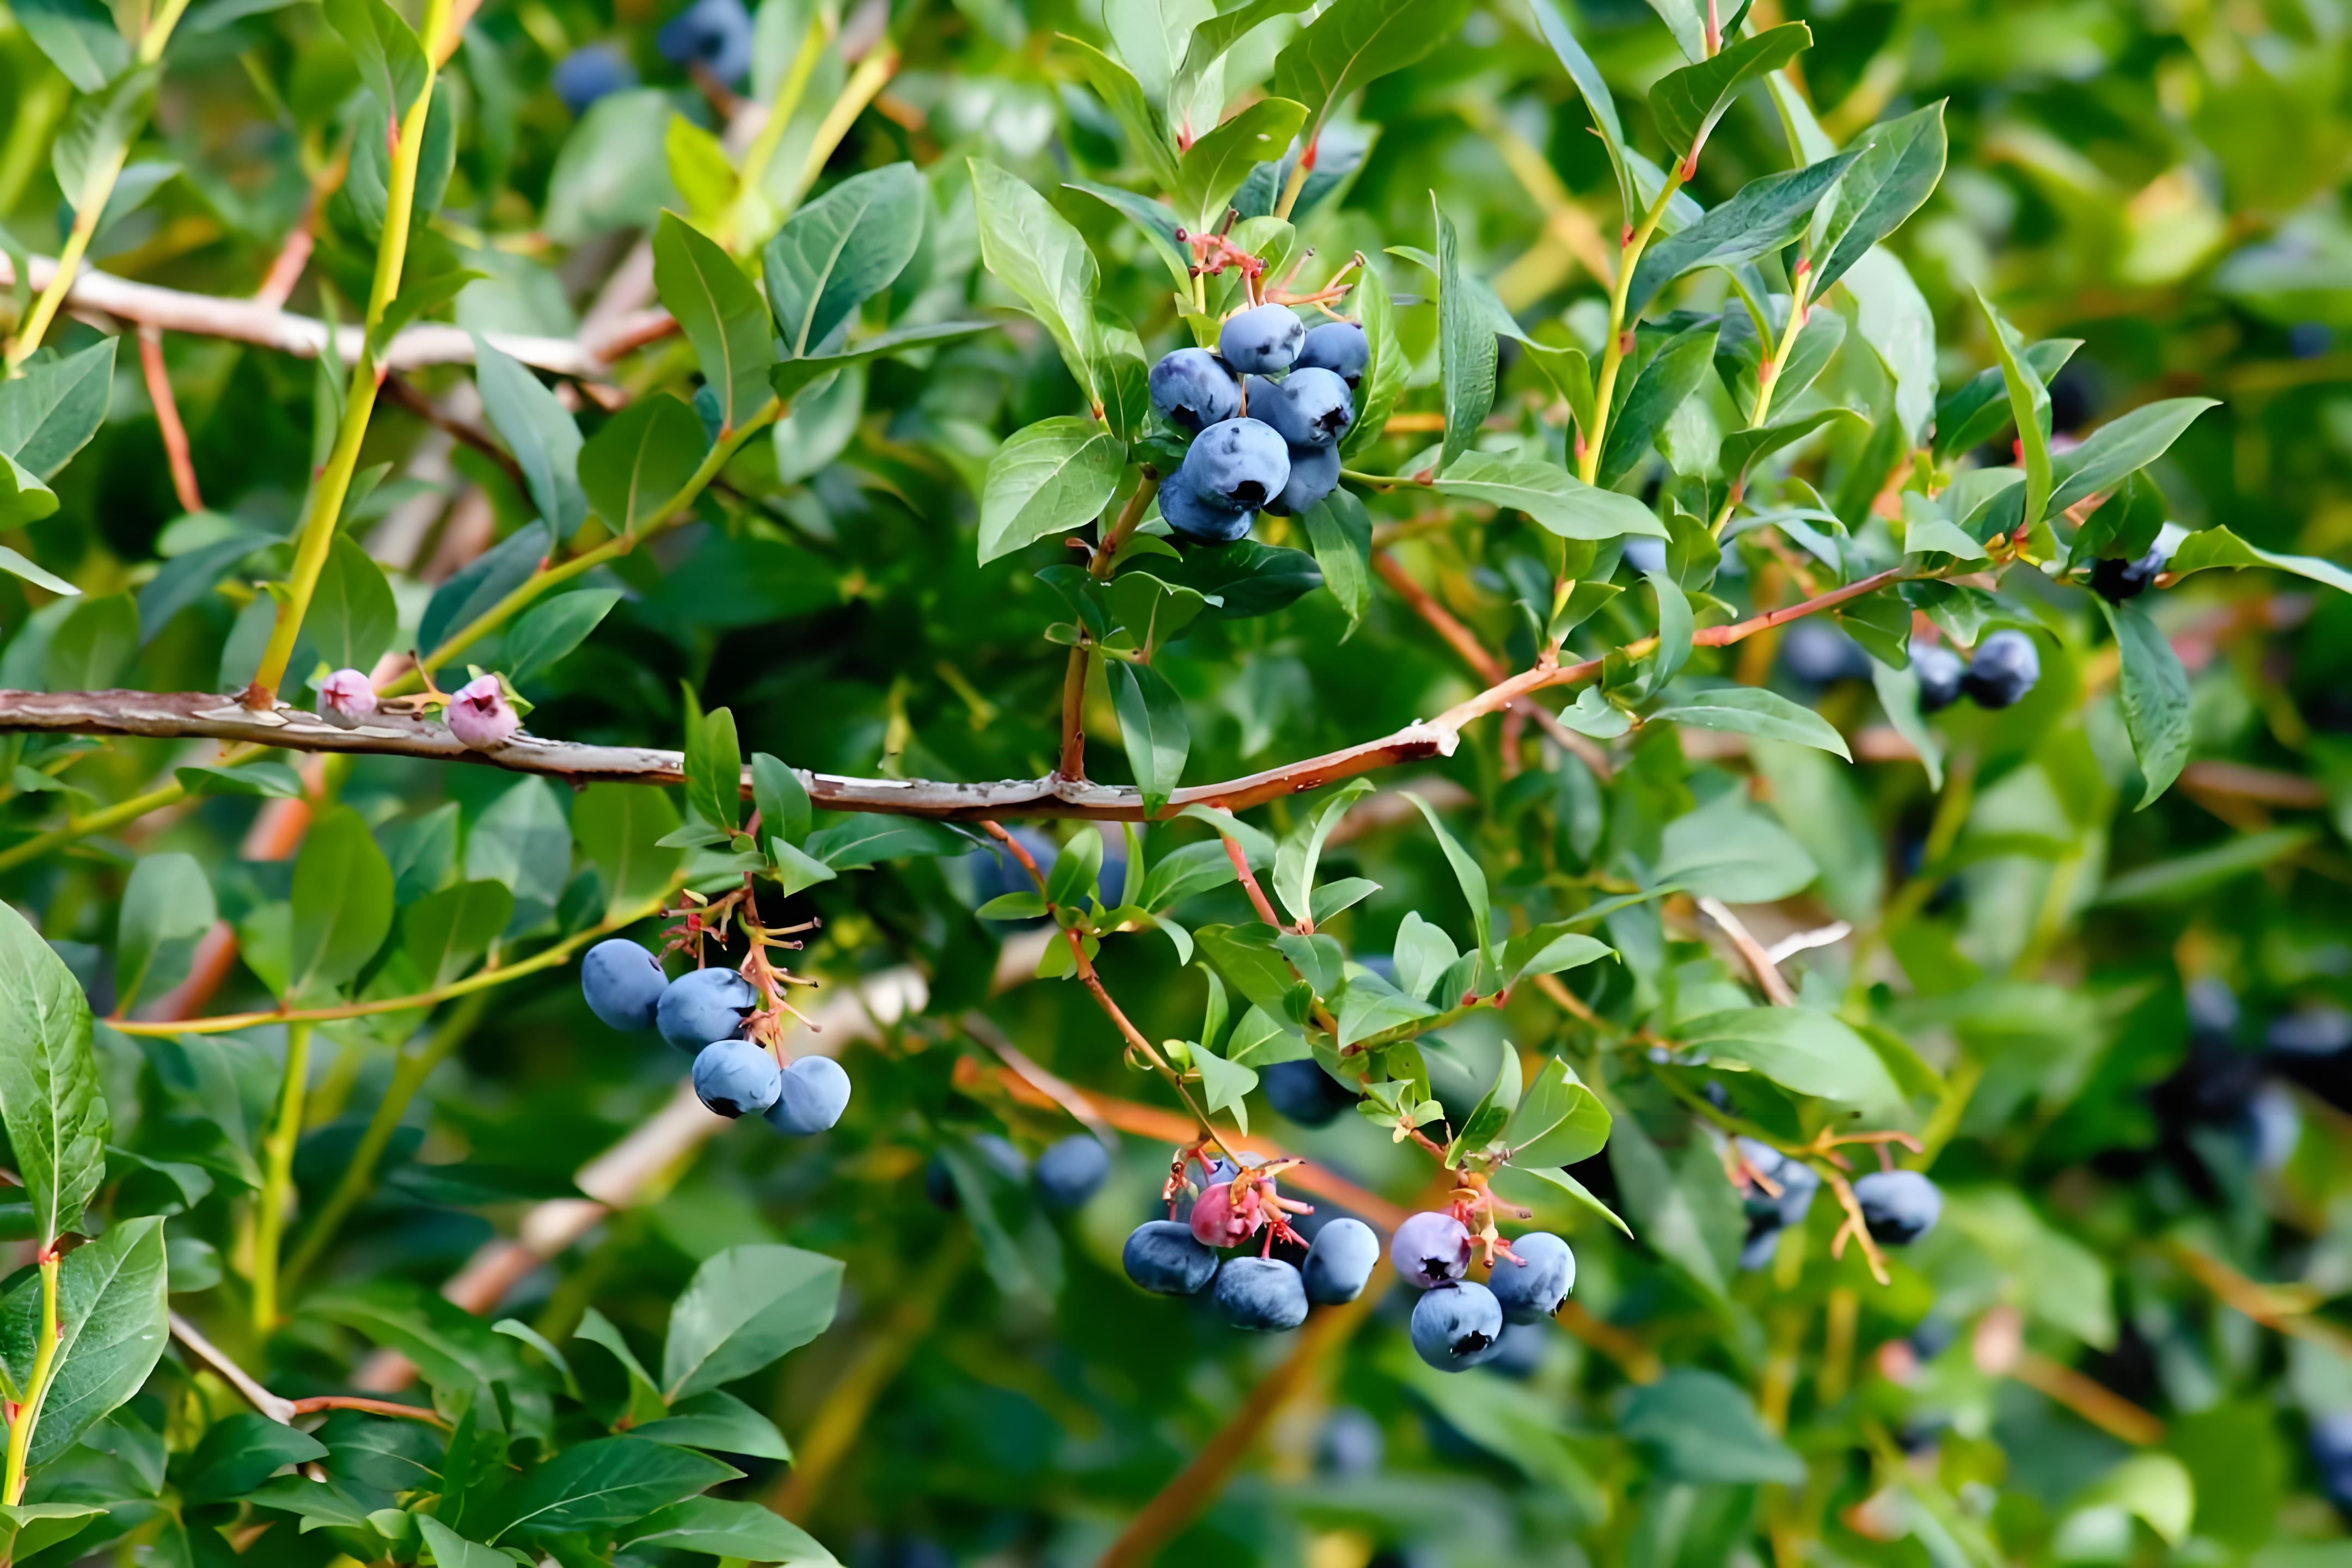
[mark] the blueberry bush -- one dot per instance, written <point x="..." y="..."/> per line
<point x="1455" y="782"/>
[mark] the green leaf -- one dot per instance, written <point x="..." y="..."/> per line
<point x="2214" y="547"/>
<point x="1341" y="531"/>
<point x="80" y="38"/>
<point x="781" y="797"/>
<point x="1384" y="372"/>
<point x="166" y="904"/>
<point x="1552" y="21"/>
<point x="644" y="456"/>
<point x="1753" y="710"/>
<point x="240" y="1452"/>
<point x="1550" y="496"/>
<point x="539" y="432"/>
<point x="1047" y="478"/>
<point x="1137" y="115"/>
<point x="1465" y="348"/>
<point x="1512" y="1175"/>
<point x="552" y="628"/>
<point x="343" y="902"/>
<point x="1224" y="1086"/>
<point x="1465" y="871"/>
<point x="868" y="840"/>
<point x="392" y="61"/>
<point x="744" y="1308"/>
<point x="720" y="313"/>
<point x="1700" y="1427"/>
<point x="112" y="1329"/>
<point x="1799" y="1049"/>
<point x="1895" y="176"/>
<point x="1214" y="35"/>
<point x="789" y="377"/>
<point x="608" y="1482"/>
<point x="100" y="128"/>
<point x="23" y="497"/>
<point x="1743" y="449"/>
<point x="1558" y="1120"/>
<point x="1765" y="214"/>
<point x="2191" y="876"/>
<point x="93" y="645"/>
<point x="2029" y="405"/>
<point x="1674" y="373"/>
<point x="2154" y="696"/>
<point x="451" y="1550"/>
<point x="1979" y="409"/>
<point x="50" y="1099"/>
<point x="469" y="593"/>
<point x="1547" y="949"/>
<point x="718" y="1421"/>
<point x="445" y="933"/>
<point x="714" y="768"/>
<point x="717" y="1528"/>
<point x="1213" y="168"/>
<point x="1156" y="221"/>
<point x="50" y="410"/>
<point x="1688" y="102"/>
<point x="1184" y="871"/>
<point x="620" y="828"/>
<point x="2120" y="448"/>
<point x="353" y="616"/>
<point x="1152" y="729"/>
<point x="266" y="780"/>
<point x="1294" y="863"/>
<point x="30" y="1527"/>
<point x="1898" y="694"/>
<point x="1494" y="1108"/>
<point x="1675" y="626"/>
<point x="1355" y="41"/>
<point x="1247" y="956"/>
<point x="1033" y="250"/>
<point x="842" y="249"/>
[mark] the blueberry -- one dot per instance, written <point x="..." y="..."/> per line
<point x="1162" y="1255"/>
<point x="1341" y="1261"/>
<point x="1456" y="1326"/>
<point x="1938" y="670"/>
<point x="622" y="984"/>
<point x="1237" y="466"/>
<point x="938" y="1185"/>
<point x="815" y="1092"/>
<point x="1899" y="1206"/>
<point x="998" y="872"/>
<point x="1261" y="1293"/>
<point x="1263" y="339"/>
<point x="587" y="74"/>
<point x="1001" y="1157"/>
<point x="1351" y="1441"/>
<point x="1196" y="518"/>
<point x="2319" y="1030"/>
<point x="1533" y="1289"/>
<point x="2331" y="1453"/>
<point x="1431" y="1248"/>
<point x="702" y="1006"/>
<point x="1307" y="408"/>
<point x="1519" y="1351"/>
<point x="1339" y="347"/>
<point x="732" y="1078"/>
<point x="2004" y="670"/>
<point x="1070" y="1172"/>
<point x="1797" y="1181"/>
<point x="1304" y="1092"/>
<point x="2115" y="580"/>
<point x="713" y="33"/>
<point x="1314" y="474"/>
<point x="1762" y="1246"/>
<point x="1819" y="654"/>
<point x="1192" y="388"/>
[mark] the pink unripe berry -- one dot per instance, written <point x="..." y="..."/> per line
<point x="1220" y="1221"/>
<point x="480" y="716"/>
<point x="346" y="697"/>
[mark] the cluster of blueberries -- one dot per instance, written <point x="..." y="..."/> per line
<point x="1258" y="443"/>
<point x="1180" y="1257"/>
<point x="1066" y="1176"/>
<point x="1897" y="1207"/>
<point x="708" y="1012"/>
<point x="715" y="34"/>
<point x="2004" y="668"/>
<point x="1458" y="1323"/>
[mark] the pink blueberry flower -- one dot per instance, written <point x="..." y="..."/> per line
<point x="346" y="697"/>
<point x="480" y="716"/>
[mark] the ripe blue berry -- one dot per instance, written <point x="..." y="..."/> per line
<point x="1339" y="1262"/>
<point x="2331" y="1455"/>
<point x="1307" y="408"/>
<point x="589" y="73"/>
<point x="1899" y="1206"/>
<point x="810" y="1098"/>
<point x="1263" y="339"/>
<point x="1818" y="655"/>
<point x="1532" y="1290"/>
<point x="1797" y="1181"/>
<point x="1314" y="474"/>
<point x="1162" y="1255"/>
<point x="2314" y="1030"/>
<point x="1938" y="670"/>
<point x="1457" y="1325"/>
<point x="1071" y="1171"/>
<point x="2004" y="670"/>
<point x="1239" y="466"/>
<point x="622" y="984"/>
<point x="1198" y="520"/>
<point x="1193" y="389"/>
<point x="1261" y="1293"/>
<point x="1304" y="1092"/>
<point x="1431" y="1248"/>
<point x="2115" y="580"/>
<point x="702" y="1006"/>
<point x="1339" y="347"/>
<point x="735" y="1078"/>
<point x="713" y="33"/>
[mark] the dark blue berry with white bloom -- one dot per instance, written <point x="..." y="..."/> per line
<point x="1340" y="1261"/>
<point x="1939" y="671"/>
<point x="2004" y="670"/>
<point x="1430" y="1248"/>
<point x="1304" y="1092"/>
<point x="736" y="1077"/>
<point x="1203" y="521"/>
<point x="1457" y="1325"/>
<point x="1532" y="1289"/>
<point x="1899" y="1206"/>
<point x="1071" y="1171"/>
<point x="1314" y="474"/>
<point x="1193" y="389"/>
<point x="1163" y="1256"/>
<point x="1261" y="1294"/>
<point x="1263" y="339"/>
<point x="1309" y="408"/>
<point x="2115" y="580"/>
<point x="622" y="984"/>
<point x="702" y="1006"/>
<point x="589" y="73"/>
<point x="810" y="1098"/>
<point x="1238" y="466"/>
<point x="713" y="33"/>
<point x="1339" y="347"/>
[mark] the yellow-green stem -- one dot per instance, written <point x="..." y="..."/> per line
<point x="326" y="498"/>
<point x="762" y="151"/>
<point x="277" y="1177"/>
<point x="1291" y="187"/>
<point x="1768" y="376"/>
<point x="37" y="1386"/>
<point x="1612" y="354"/>
<point x="112" y="816"/>
<point x="408" y="1076"/>
<point x="864" y="84"/>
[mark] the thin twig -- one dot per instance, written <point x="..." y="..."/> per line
<point x="167" y="419"/>
<point x="1760" y="962"/>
